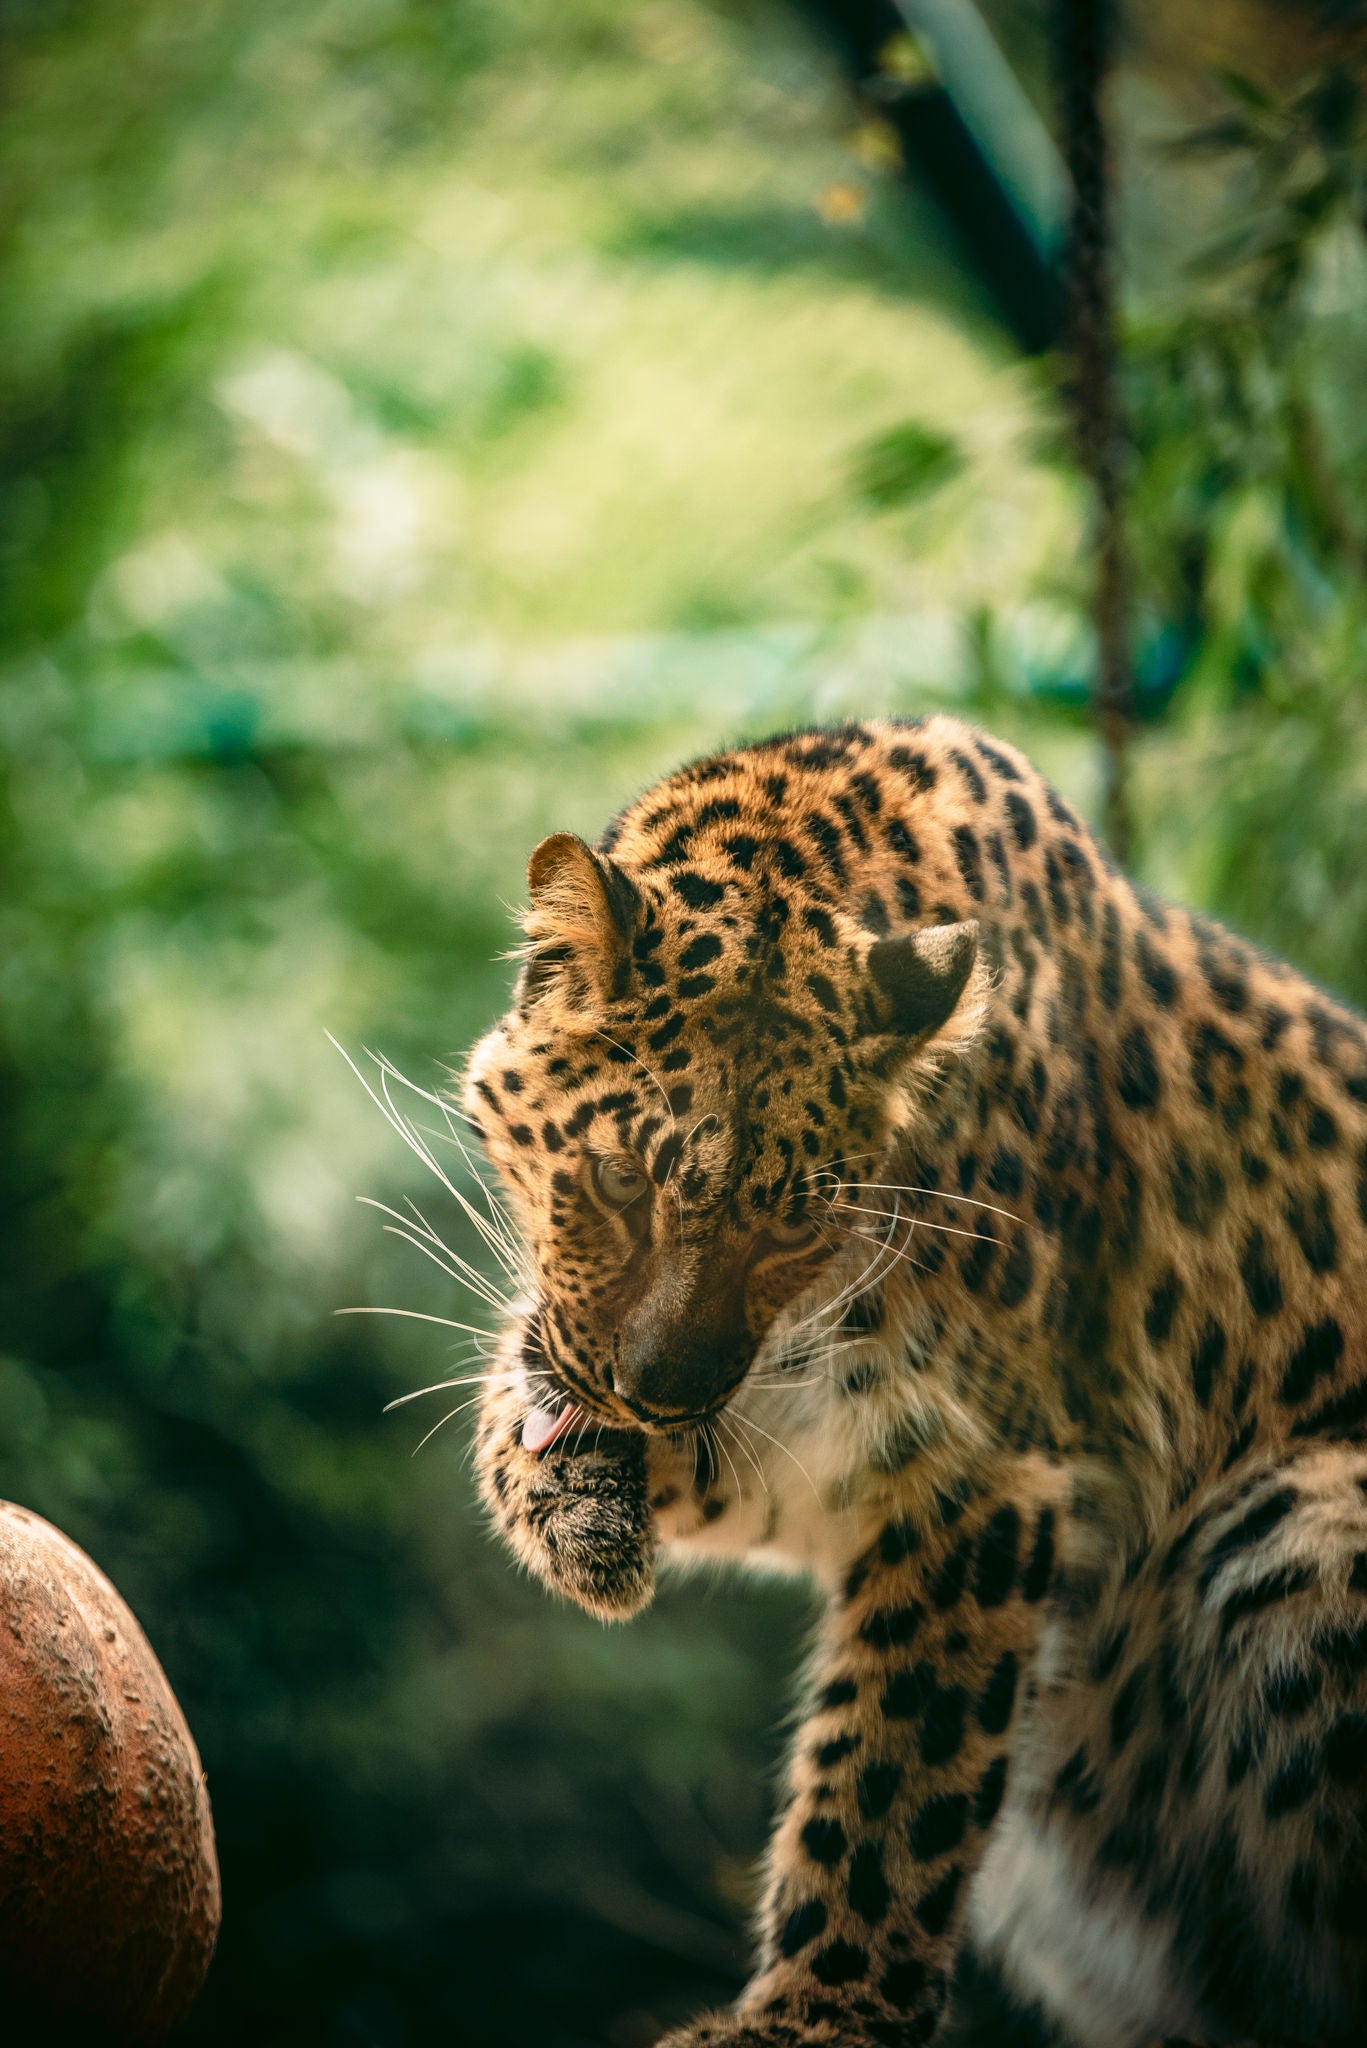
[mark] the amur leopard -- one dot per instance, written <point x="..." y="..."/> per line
<point x="910" y="1201"/>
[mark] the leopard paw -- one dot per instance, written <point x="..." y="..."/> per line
<point x="576" y="1514"/>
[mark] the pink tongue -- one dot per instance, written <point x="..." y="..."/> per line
<point x="544" y="1425"/>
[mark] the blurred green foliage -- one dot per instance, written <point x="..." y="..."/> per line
<point x="1248" y="403"/>
<point x="421" y="425"/>
<point x="904" y="462"/>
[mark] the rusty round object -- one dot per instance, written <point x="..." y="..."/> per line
<point x="109" y="1895"/>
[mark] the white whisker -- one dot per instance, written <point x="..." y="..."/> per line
<point x="917" y="1222"/>
<point x="490" y="1286"/>
<point x="863" y="1281"/>
<point x="750" y="1423"/>
<point x="479" y="1379"/>
<point x="498" y="1224"/>
<point x="417" y="1315"/>
<point x="410" y="1133"/>
<point x="731" y="1423"/>
<point x="900" y="1254"/>
<point x="450" y="1416"/>
<point x="731" y="1465"/>
<point x="459" y="1268"/>
<point x="887" y="1187"/>
<point x="497" y="1232"/>
<point x="495" y="1228"/>
<point x="397" y="1230"/>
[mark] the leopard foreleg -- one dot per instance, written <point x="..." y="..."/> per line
<point x="897" y="1776"/>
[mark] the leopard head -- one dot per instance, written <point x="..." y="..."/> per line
<point x="699" y="1066"/>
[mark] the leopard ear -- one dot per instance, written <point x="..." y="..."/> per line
<point x="581" y="920"/>
<point x="918" y="979"/>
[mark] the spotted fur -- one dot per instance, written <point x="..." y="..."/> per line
<point x="997" y="1255"/>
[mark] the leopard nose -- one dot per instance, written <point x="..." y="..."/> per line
<point x="682" y="1375"/>
<point x="683" y="1351"/>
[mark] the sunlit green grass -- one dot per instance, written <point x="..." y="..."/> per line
<point x="408" y="334"/>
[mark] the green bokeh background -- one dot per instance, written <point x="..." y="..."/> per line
<point x="422" y="423"/>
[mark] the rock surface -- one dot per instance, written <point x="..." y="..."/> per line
<point x="109" y="1891"/>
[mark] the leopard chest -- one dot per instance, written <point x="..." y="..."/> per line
<point x="829" y="1434"/>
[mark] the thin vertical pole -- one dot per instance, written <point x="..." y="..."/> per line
<point x="1085" y="32"/>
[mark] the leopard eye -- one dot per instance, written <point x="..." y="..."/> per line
<point x="620" y="1180"/>
<point x="791" y="1231"/>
